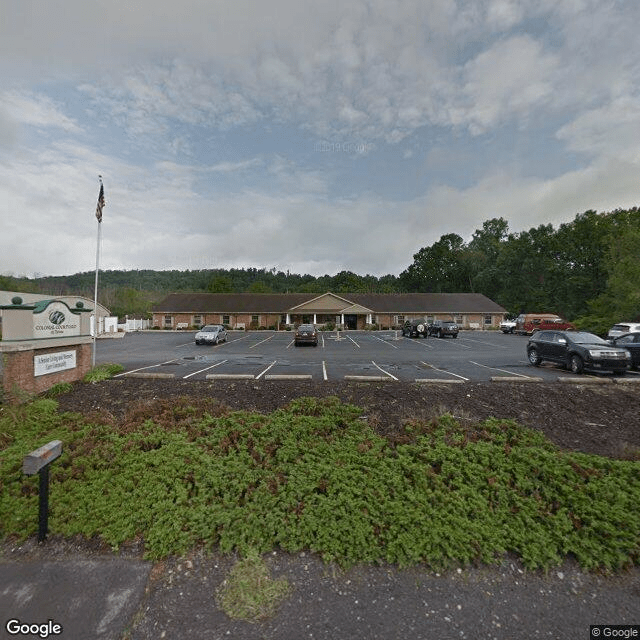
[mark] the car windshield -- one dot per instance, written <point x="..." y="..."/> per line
<point x="211" y="327"/>
<point x="582" y="337"/>
<point x="305" y="327"/>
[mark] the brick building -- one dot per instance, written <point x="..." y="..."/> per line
<point x="351" y="311"/>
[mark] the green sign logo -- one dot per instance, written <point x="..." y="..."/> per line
<point x="56" y="317"/>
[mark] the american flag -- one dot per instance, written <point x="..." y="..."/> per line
<point x="101" y="204"/>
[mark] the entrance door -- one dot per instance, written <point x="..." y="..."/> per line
<point x="350" y="320"/>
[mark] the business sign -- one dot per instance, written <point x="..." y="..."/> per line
<point x="56" y="321"/>
<point x="53" y="362"/>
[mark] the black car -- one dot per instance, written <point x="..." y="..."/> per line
<point x="306" y="334"/>
<point x="442" y="328"/>
<point x="577" y="350"/>
<point x="630" y="342"/>
<point x="415" y="328"/>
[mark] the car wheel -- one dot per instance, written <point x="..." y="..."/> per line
<point x="455" y="335"/>
<point x="534" y="358"/>
<point x="576" y="364"/>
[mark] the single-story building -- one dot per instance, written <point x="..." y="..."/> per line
<point x="349" y="311"/>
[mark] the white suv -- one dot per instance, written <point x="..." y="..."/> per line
<point x="622" y="328"/>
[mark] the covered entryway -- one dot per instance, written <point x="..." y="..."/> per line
<point x="332" y="308"/>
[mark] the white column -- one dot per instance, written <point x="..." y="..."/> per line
<point x="288" y="319"/>
<point x="342" y="319"/>
<point x="314" y="318"/>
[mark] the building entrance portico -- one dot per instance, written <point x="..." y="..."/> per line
<point x="330" y="308"/>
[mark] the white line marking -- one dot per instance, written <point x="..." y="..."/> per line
<point x="324" y="370"/>
<point x="213" y="366"/>
<point x="491" y="344"/>
<point x="151" y="366"/>
<point x="449" y="373"/>
<point x="383" y="371"/>
<point x="267" y="369"/>
<point x="261" y="341"/>
<point x="511" y="373"/>
<point x="381" y="340"/>
<point x="354" y="342"/>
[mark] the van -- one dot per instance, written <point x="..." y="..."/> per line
<point x="529" y="323"/>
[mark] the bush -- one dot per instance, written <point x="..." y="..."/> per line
<point x="103" y="372"/>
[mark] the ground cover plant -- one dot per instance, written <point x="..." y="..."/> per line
<point x="314" y="475"/>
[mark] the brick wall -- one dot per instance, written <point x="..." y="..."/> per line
<point x="19" y="380"/>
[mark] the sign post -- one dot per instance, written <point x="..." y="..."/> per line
<point x="38" y="462"/>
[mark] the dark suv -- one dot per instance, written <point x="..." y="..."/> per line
<point x="442" y="328"/>
<point x="577" y="350"/>
<point x="415" y="328"/>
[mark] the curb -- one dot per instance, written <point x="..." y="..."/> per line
<point x="438" y="381"/>
<point x="585" y="380"/>
<point x="230" y="376"/>
<point x="291" y="376"/>
<point x="627" y="380"/>
<point x="370" y="378"/>
<point x="149" y="375"/>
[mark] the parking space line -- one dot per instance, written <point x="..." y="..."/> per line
<point x="386" y="342"/>
<point x="491" y="344"/>
<point x="261" y="341"/>
<point x="449" y="373"/>
<point x="324" y="370"/>
<point x="265" y="371"/>
<point x="511" y="373"/>
<point x="151" y="366"/>
<point x="383" y="371"/>
<point x="354" y="342"/>
<point x="213" y="366"/>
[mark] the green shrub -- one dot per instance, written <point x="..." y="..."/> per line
<point x="314" y="476"/>
<point x="103" y="372"/>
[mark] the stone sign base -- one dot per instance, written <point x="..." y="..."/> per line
<point x="31" y="367"/>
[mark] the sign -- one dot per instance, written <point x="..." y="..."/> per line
<point x="53" y="362"/>
<point x="34" y="461"/>
<point x="56" y="320"/>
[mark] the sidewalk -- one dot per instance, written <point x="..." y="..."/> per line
<point x="115" y="598"/>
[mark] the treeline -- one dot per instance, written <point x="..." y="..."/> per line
<point x="587" y="270"/>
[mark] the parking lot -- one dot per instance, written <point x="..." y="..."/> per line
<point x="353" y="355"/>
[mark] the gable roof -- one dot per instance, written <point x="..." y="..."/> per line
<point x="401" y="303"/>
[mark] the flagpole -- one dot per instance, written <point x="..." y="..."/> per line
<point x="95" y="291"/>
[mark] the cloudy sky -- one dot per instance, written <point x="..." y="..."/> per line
<point x="309" y="136"/>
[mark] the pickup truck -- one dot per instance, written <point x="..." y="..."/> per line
<point x="507" y="326"/>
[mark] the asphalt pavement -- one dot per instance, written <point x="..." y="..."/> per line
<point x="118" y="598"/>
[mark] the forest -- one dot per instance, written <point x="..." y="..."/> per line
<point x="586" y="270"/>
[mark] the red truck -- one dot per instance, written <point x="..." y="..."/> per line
<point x="528" y="323"/>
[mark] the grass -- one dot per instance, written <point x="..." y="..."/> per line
<point x="249" y="592"/>
<point x="103" y="372"/>
<point x="313" y="476"/>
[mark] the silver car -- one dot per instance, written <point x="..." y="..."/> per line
<point x="211" y="334"/>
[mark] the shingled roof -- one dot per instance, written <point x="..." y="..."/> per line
<point x="284" y="302"/>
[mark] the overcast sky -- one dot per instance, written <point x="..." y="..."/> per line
<point x="310" y="136"/>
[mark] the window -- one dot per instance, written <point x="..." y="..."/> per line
<point x="226" y="320"/>
<point x="399" y="320"/>
<point x="487" y="319"/>
<point x="458" y="319"/>
<point x="168" y="321"/>
<point x="255" y="319"/>
<point x="197" y="321"/>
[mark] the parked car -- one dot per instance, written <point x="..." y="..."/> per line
<point x="577" y="350"/>
<point x="211" y="334"/>
<point x="507" y="326"/>
<point x="442" y="328"/>
<point x="630" y="342"/>
<point x="415" y="328"/>
<point x="622" y="328"/>
<point x="529" y="323"/>
<point x="306" y="334"/>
